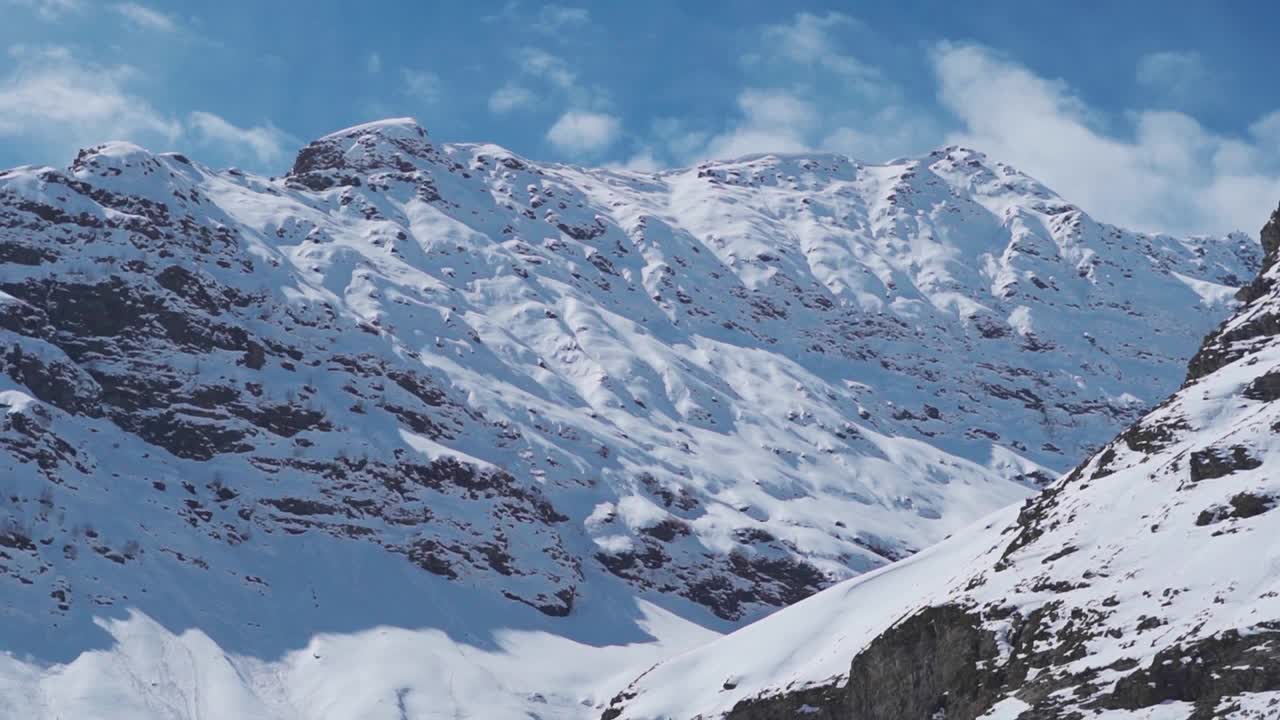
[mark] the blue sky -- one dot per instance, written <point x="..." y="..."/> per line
<point x="1154" y="115"/>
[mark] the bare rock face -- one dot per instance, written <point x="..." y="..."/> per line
<point x="1223" y="346"/>
<point x="727" y="387"/>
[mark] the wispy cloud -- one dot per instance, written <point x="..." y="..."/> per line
<point x="48" y="9"/>
<point x="550" y="19"/>
<point x="809" y="40"/>
<point x="373" y="63"/>
<point x="581" y="133"/>
<point x="585" y="125"/>
<point x="1177" y="76"/>
<point x="421" y="84"/>
<point x="556" y="18"/>
<point x="771" y="121"/>
<point x="642" y="161"/>
<point x="542" y="64"/>
<point x="145" y="18"/>
<point x="809" y="94"/>
<point x="510" y="97"/>
<point x="559" y="80"/>
<point x="265" y="143"/>
<point x="56" y="100"/>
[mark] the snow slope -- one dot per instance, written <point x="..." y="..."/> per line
<point x="382" y="672"/>
<point x="407" y="377"/>
<point x="1144" y="584"/>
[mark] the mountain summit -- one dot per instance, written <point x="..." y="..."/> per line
<point x="408" y="377"/>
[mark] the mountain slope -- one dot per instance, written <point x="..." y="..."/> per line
<point x="406" y="377"/>
<point x="1142" y="584"/>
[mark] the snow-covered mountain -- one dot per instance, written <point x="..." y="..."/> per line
<point x="445" y="387"/>
<point x="1143" y="584"/>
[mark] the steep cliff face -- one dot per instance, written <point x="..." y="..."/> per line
<point x="1141" y="584"/>
<point x="722" y="388"/>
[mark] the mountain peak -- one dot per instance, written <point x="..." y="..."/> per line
<point x="111" y="158"/>
<point x="387" y="127"/>
<point x="392" y="144"/>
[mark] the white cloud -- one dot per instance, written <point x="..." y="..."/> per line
<point x="145" y="18"/>
<point x="580" y="132"/>
<point x="542" y="64"/>
<point x="778" y="121"/>
<point x="678" y="139"/>
<point x="264" y="142"/>
<point x="421" y="84"/>
<point x="883" y="134"/>
<point x="819" y="99"/>
<point x="1169" y="174"/>
<point x="373" y="63"/>
<point x="48" y="9"/>
<point x="772" y="121"/>
<point x="643" y="161"/>
<point x="1176" y="75"/>
<point x="585" y="127"/>
<point x="55" y="101"/>
<point x="510" y="97"/>
<point x="552" y="70"/>
<point x="808" y="40"/>
<point x="554" y="18"/>
<point x="777" y="110"/>
<point x="550" y="19"/>
<point x="53" y="98"/>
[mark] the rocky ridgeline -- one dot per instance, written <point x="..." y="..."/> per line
<point x="733" y="384"/>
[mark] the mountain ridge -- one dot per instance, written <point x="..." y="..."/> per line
<point x="565" y="391"/>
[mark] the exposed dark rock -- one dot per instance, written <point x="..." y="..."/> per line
<point x="1265" y="387"/>
<point x="1222" y="347"/>
<point x="419" y="387"/>
<point x="16" y="539"/>
<point x="824" y="702"/>
<point x="559" y="604"/>
<point x="24" y="254"/>
<point x="428" y="555"/>
<point x="779" y="580"/>
<point x="1242" y="505"/>
<point x="582" y="233"/>
<point x="187" y="436"/>
<point x="1270" y="238"/>
<point x="1202" y="672"/>
<point x="666" y="530"/>
<point x="1216" y="462"/>
<point x="928" y="666"/>
<point x="301" y="506"/>
<point x="1150" y="436"/>
<point x="934" y="664"/>
<point x="61" y="384"/>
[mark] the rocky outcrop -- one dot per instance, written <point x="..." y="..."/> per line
<point x="1231" y="341"/>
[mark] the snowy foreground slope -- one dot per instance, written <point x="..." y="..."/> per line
<point x="1143" y="584"/>
<point x="498" y="405"/>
